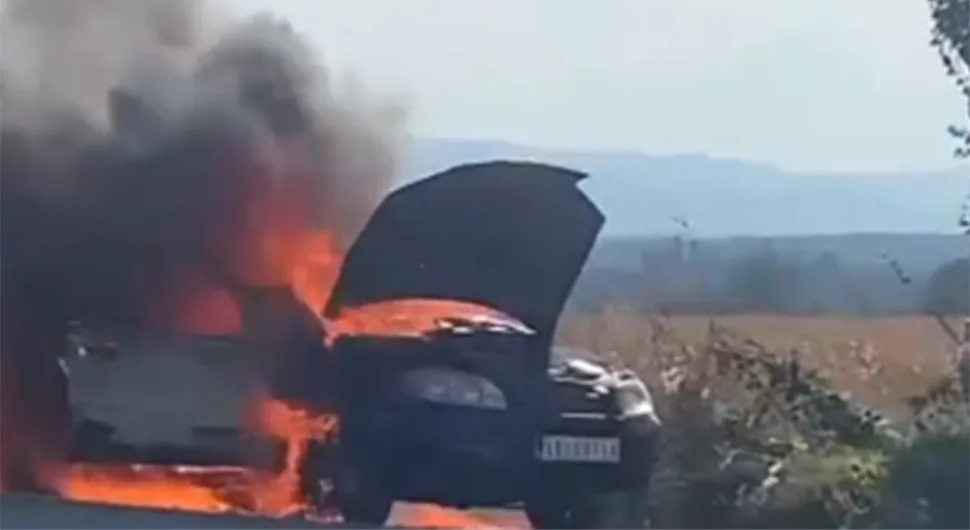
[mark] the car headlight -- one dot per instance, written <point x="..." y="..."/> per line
<point x="452" y="387"/>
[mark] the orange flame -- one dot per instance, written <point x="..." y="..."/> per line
<point x="197" y="306"/>
<point x="410" y="317"/>
<point x="278" y="247"/>
<point x="143" y="487"/>
<point x="209" y="489"/>
<point x="297" y="427"/>
<point x="432" y="516"/>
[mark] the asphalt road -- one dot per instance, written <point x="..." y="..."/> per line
<point x="30" y="511"/>
<point x="34" y="511"/>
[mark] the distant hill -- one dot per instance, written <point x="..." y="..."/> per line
<point x="853" y="273"/>
<point x="641" y="193"/>
<point x="838" y="231"/>
<point x="916" y="253"/>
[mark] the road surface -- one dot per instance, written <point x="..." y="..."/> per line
<point x="32" y="511"/>
<point x="35" y="511"/>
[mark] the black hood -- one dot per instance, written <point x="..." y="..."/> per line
<point x="509" y="235"/>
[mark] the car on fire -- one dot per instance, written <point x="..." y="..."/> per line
<point x="484" y="410"/>
<point x="479" y="410"/>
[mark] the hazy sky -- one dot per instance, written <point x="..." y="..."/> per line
<point x="803" y="83"/>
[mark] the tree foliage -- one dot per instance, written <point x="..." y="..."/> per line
<point x="948" y="287"/>
<point x="763" y="281"/>
<point x="951" y="38"/>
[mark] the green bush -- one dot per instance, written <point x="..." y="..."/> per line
<point x="928" y="483"/>
<point x="758" y="440"/>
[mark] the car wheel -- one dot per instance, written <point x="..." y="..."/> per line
<point x="547" y="513"/>
<point x="360" y="496"/>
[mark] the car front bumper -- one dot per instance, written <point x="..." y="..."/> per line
<point x="454" y="455"/>
<point x="640" y="444"/>
<point x="465" y="457"/>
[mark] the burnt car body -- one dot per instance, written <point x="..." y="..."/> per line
<point x="118" y="377"/>
<point x="479" y="412"/>
<point x="124" y="409"/>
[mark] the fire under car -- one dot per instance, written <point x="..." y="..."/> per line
<point x="483" y="410"/>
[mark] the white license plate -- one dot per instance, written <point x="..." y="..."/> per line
<point x="579" y="449"/>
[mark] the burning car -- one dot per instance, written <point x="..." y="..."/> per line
<point x="197" y="423"/>
<point x="434" y="346"/>
<point x="438" y="358"/>
<point x="480" y="409"/>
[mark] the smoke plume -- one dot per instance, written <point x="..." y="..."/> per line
<point x="140" y="142"/>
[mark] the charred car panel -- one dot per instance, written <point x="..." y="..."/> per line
<point x="166" y="400"/>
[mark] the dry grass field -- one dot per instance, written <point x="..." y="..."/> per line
<point x="738" y="385"/>
<point x="880" y="359"/>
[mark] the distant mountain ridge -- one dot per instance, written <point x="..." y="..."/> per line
<point x="915" y="253"/>
<point x="641" y="194"/>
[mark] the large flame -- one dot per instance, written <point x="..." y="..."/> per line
<point x="173" y="244"/>
<point x="196" y="306"/>
<point x="281" y="249"/>
<point x="409" y="317"/>
<point x="146" y="486"/>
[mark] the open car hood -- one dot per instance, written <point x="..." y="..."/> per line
<point x="513" y="236"/>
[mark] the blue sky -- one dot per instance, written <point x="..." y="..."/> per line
<point x="807" y="84"/>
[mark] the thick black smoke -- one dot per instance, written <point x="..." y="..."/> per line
<point x="133" y="134"/>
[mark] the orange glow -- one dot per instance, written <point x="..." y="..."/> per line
<point x="312" y="271"/>
<point x="278" y="244"/>
<point x="407" y="317"/>
<point x="196" y="306"/>
<point x="281" y="494"/>
<point x="432" y="516"/>
<point x="281" y="245"/>
<point x="210" y="489"/>
<point x="141" y="487"/>
<point x="211" y="311"/>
